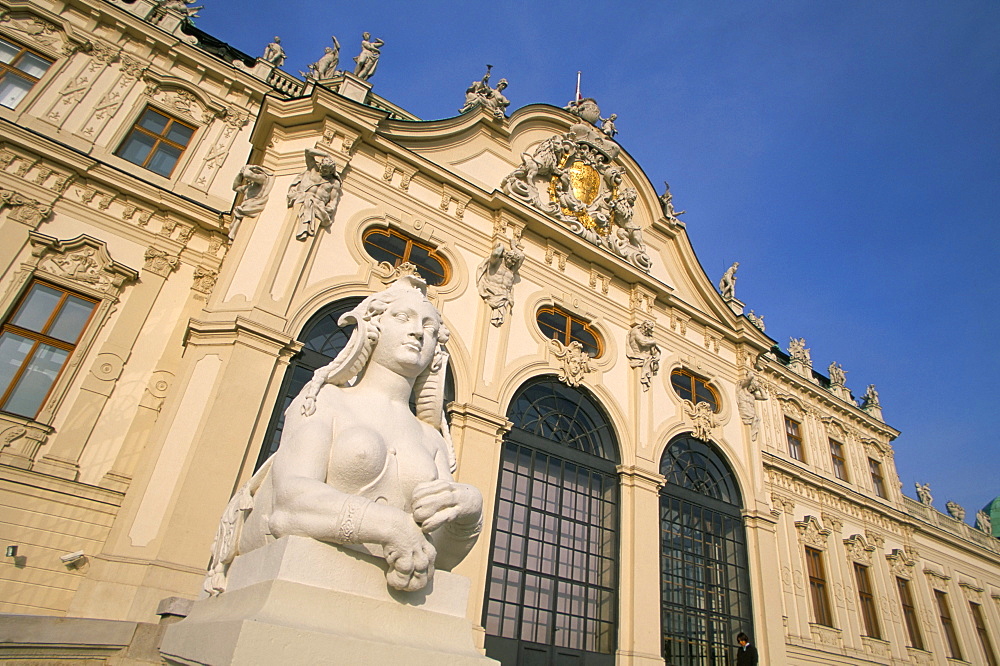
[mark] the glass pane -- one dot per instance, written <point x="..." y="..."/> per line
<point x="13" y="88"/>
<point x="37" y="308"/>
<point x="154" y="122"/>
<point x="180" y="133"/>
<point x="31" y="389"/>
<point x="8" y="51"/>
<point x="33" y="65"/>
<point x="13" y="350"/>
<point x="164" y="159"/>
<point x="71" y="319"/>
<point x="388" y="242"/>
<point x="137" y="147"/>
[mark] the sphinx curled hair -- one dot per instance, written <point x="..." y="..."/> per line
<point x="352" y="361"/>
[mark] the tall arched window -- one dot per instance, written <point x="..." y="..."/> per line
<point x="322" y="339"/>
<point x="553" y="575"/>
<point x="704" y="581"/>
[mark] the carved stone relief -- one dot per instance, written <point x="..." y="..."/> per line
<point x="254" y="182"/>
<point x="575" y="361"/>
<point x="858" y="549"/>
<point x="83" y="260"/>
<point x="703" y="419"/>
<point x="749" y="391"/>
<point x="811" y="533"/>
<point x="159" y="262"/>
<point x="24" y="210"/>
<point x="496" y="277"/>
<point x="643" y="352"/>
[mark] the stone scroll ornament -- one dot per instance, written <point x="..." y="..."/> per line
<point x="374" y="481"/>
<point x="573" y="178"/>
<point x="254" y="182"/>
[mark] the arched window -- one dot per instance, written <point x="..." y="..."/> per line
<point x="693" y="388"/>
<point x="396" y="248"/>
<point x="704" y="580"/>
<point x="322" y="339"/>
<point x="560" y="325"/>
<point x="553" y="575"/>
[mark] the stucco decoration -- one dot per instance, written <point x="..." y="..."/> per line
<point x="479" y="95"/>
<point x="274" y="53"/>
<point x="496" y="278"/>
<point x="858" y="549"/>
<point x="367" y="60"/>
<point x="924" y="493"/>
<point x="83" y="260"/>
<point x="575" y="361"/>
<point x="984" y="523"/>
<point x="324" y="68"/>
<point x="643" y="352"/>
<point x="702" y="419"/>
<point x="750" y="389"/>
<point x="378" y="481"/>
<point x="254" y="182"/>
<point x="901" y="564"/>
<point x="316" y="191"/>
<point x="811" y="533"/>
<point x="727" y="284"/>
<point x="955" y="510"/>
<point x="572" y="177"/>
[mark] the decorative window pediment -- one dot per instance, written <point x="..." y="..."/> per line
<point x="858" y="549"/>
<point x="812" y="533"/>
<point x="901" y="564"/>
<point x="83" y="262"/>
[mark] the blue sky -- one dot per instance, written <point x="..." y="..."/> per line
<point x="847" y="154"/>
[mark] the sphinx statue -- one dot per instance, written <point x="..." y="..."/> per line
<point x="356" y="467"/>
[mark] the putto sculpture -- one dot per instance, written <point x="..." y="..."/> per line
<point x="643" y="352"/>
<point x="378" y="481"/>
<point x="983" y="523"/>
<point x="573" y="178"/>
<point x="367" y="60"/>
<point x="317" y="192"/>
<point x="326" y="67"/>
<point x="757" y="320"/>
<point x="496" y="278"/>
<point x="480" y="95"/>
<point x="274" y="53"/>
<point x="254" y="182"/>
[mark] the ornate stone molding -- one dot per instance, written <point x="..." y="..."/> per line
<point x="811" y="533"/>
<point x="826" y="635"/>
<point x="24" y="210"/>
<point x="971" y="591"/>
<point x="20" y="440"/>
<point x="703" y="419"/>
<point x="159" y="262"/>
<point x="575" y="361"/>
<point x="936" y="579"/>
<point x="858" y="549"/>
<point x="83" y="260"/>
<point x="204" y="279"/>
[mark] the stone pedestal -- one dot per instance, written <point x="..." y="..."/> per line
<point x="354" y="88"/>
<point x="299" y="601"/>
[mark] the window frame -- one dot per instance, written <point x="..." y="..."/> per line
<point x="567" y="335"/>
<point x="432" y="252"/>
<point x="948" y="625"/>
<point x="41" y="337"/>
<point x="11" y="68"/>
<point x="866" y="598"/>
<point x="796" y="443"/>
<point x="878" y="478"/>
<point x="910" y="616"/>
<point x="979" y="622"/>
<point x="158" y="139"/>
<point x="839" y="460"/>
<point x="693" y="390"/>
<point x="818" y="594"/>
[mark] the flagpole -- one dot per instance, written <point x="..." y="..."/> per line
<point x="578" y="97"/>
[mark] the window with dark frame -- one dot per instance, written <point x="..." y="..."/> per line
<point x="867" y="598"/>
<point x="156" y="142"/>
<point x="877" y="481"/>
<point x="839" y="463"/>
<point x="944" y="611"/>
<point x="20" y="69"/>
<point x="38" y="338"/>
<point x="395" y="248"/>
<point x="909" y="614"/>
<point x="794" y="437"/>
<point x="693" y="388"/>
<point x="558" y="324"/>
<point x="984" y="635"/>
<point x="817" y="587"/>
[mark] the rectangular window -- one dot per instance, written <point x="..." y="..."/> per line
<point x="909" y="613"/>
<point x="984" y="636"/>
<point x="877" y="481"/>
<point x="36" y="341"/>
<point x="954" y="649"/>
<point x="156" y="142"/>
<point x="817" y="588"/>
<point x="837" y="455"/>
<point x="20" y="69"/>
<point x="794" y="439"/>
<point x="867" y="599"/>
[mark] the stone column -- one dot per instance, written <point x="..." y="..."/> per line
<point x="639" y="634"/>
<point x="769" y="632"/>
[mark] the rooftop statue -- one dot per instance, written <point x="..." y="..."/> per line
<point x="756" y="319"/>
<point x="608" y="126"/>
<point x="798" y="352"/>
<point x="317" y="192"/>
<point x="480" y="95"/>
<point x="924" y="493"/>
<point x="667" y="203"/>
<point x="984" y="523"/>
<point x="181" y="6"/>
<point x="367" y="60"/>
<point x="838" y="376"/>
<point x="274" y="53"/>
<point x="727" y="284"/>
<point x="956" y="510"/>
<point x="326" y="66"/>
<point x="373" y="480"/>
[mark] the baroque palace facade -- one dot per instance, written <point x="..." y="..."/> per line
<point x="658" y="475"/>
